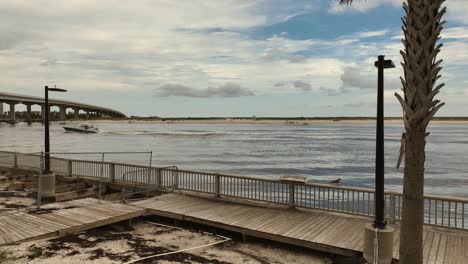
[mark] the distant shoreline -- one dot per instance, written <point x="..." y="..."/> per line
<point x="277" y="120"/>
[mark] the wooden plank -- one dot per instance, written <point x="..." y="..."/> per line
<point x="266" y="222"/>
<point x="67" y="219"/>
<point x="311" y="220"/>
<point x="344" y="234"/>
<point x="441" y="249"/>
<point x="458" y="256"/>
<point x="434" y="248"/>
<point x="317" y="229"/>
<point x="70" y="187"/>
<point x="355" y="241"/>
<point x="449" y="251"/>
<point x="32" y="228"/>
<point x="64" y="221"/>
<point x="6" y="238"/>
<point x="43" y="223"/>
<point x="298" y="222"/>
<point x="99" y="223"/>
<point x="324" y="236"/>
<point x="427" y="243"/>
<point x="322" y="222"/>
<point x="11" y="230"/>
<point x="464" y="249"/>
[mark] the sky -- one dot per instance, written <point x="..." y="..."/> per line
<point x="220" y="57"/>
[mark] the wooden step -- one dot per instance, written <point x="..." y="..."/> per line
<point x="19" y="178"/>
<point x="90" y="192"/>
<point x="70" y="187"/>
<point x="22" y="185"/>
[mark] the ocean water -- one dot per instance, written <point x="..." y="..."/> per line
<point x="321" y="151"/>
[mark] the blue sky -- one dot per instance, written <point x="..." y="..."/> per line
<point x="220" y="58"/>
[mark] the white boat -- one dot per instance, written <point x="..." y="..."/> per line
<point x="83" y="128"/>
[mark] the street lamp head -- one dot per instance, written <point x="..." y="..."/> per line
<point x="387" y="64"/>
<point x="56" y="90"/>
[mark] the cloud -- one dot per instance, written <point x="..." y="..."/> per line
<point x="455" y="33"/>
<point x="302" y="85"/>
<point x="361" y="5"/>
<point x="370" y="34"/>
<point x="48" y="62"/>
<point x="225" y="90"/>
<point x="332" y="92"/>
<point x="351" y="77"/>
<point x="272" y="54"/>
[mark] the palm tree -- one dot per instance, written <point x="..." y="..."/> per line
<point x="421" y="27"/>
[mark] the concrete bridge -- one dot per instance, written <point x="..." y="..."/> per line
<point x="13" y="116"/>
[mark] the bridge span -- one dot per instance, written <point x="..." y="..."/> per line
<point x="87" y="111"/>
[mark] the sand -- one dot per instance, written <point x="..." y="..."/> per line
<point x="120" y="243"/>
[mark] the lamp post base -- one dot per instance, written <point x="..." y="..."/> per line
<point x="47" y="185"/>
<point x="384" y="244"/>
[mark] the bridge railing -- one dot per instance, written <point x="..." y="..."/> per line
<point x="439" y="210"/>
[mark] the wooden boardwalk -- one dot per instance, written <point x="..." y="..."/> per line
<point x="320" y="230"/>
<point x="63" y="218"/>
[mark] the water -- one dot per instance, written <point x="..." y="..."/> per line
<point x="322" y="151"/>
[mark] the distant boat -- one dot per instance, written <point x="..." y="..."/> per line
<point x="83" y="128"/>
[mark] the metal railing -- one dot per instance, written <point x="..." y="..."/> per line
<point x="439" y="211"/>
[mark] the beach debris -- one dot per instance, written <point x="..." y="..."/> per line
<point x="297" y="179"/>
<point x="337" y="181"/>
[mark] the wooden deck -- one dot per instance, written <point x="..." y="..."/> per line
<point x="320" y="230"/>
<point x="63" y="218"/>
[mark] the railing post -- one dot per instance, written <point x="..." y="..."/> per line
<point x="217" y="185"/>
<point x="176" y="178"/>
<point x="112" y="171"/>
<point x="158" y="178"/>
<point x="70" y="168"/>
<point x="291" y="196"/>
<point x="392" y="209"/>
<point x="15" y="160"/>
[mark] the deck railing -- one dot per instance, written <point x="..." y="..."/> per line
<point x="439" y="210"/>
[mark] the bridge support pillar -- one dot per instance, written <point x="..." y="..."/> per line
<point x="28" y="114"/>
<point x="43" y="113"/>
<point x="12" y="113"/>
<point x="76" y="112"/>
<point x="1" y="108"/>
<point x="63" y="113"/>
<point x="87" y="115"/>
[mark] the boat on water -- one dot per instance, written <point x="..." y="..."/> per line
<point x="83" y="128"/>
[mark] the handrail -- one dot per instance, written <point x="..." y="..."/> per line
<point x="439" y="210"/>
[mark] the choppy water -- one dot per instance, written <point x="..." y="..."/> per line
<point x="323" y="152"/>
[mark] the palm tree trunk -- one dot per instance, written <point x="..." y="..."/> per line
<point x="421" y="27"/>
<point x="411" y="235"/>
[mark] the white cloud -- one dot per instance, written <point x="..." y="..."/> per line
<point x="225" y="90"/>
<point x="361" y="5"/>
<point x="370" y="34"/>
<point x="455" y="33"/>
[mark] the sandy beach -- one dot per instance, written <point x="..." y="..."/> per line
<point x="124" y="242"/>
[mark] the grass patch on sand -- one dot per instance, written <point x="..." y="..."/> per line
<point x="6" y="257"/>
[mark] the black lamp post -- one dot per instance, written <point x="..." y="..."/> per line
<point x="46" y="134"/>
<point x="379" y="198"/>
